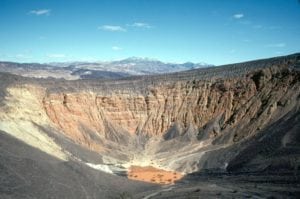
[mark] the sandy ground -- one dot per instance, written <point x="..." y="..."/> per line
<point x="153" y="175"/>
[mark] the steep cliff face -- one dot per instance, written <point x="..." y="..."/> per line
<point x="187" y="103"/>
<point x="143" y="121"/>
<point x="206" y="105"/>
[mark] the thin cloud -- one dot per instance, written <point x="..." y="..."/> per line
<point x="112" y="28"/>
<point x="267" y="27"/>
<point x="56" y="55"/>
<point x="276" y="45"/>
<point x="141" y="25"/>
<point x="40" y="12"/>
<point x="238" y="15"/>
<point x="116" y="48"/>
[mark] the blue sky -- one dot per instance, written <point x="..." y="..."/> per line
<point x="211" y="31"/>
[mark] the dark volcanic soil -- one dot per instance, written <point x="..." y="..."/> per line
<point x="25" y="172"/>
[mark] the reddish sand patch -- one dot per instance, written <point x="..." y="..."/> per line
<point x="153" y="175"/>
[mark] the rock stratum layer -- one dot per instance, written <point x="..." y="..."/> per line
<point x="223" y="110"/>
<point x="214" y="119"/>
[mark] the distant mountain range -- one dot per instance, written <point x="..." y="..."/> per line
<point x="105" y="70"/>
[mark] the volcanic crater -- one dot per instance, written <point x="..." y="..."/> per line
<point x="159" y="129"/>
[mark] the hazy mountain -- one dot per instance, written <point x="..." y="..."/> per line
<point x="104" y="70"/>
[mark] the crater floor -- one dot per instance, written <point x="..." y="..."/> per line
<point x="153" y="175"/>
